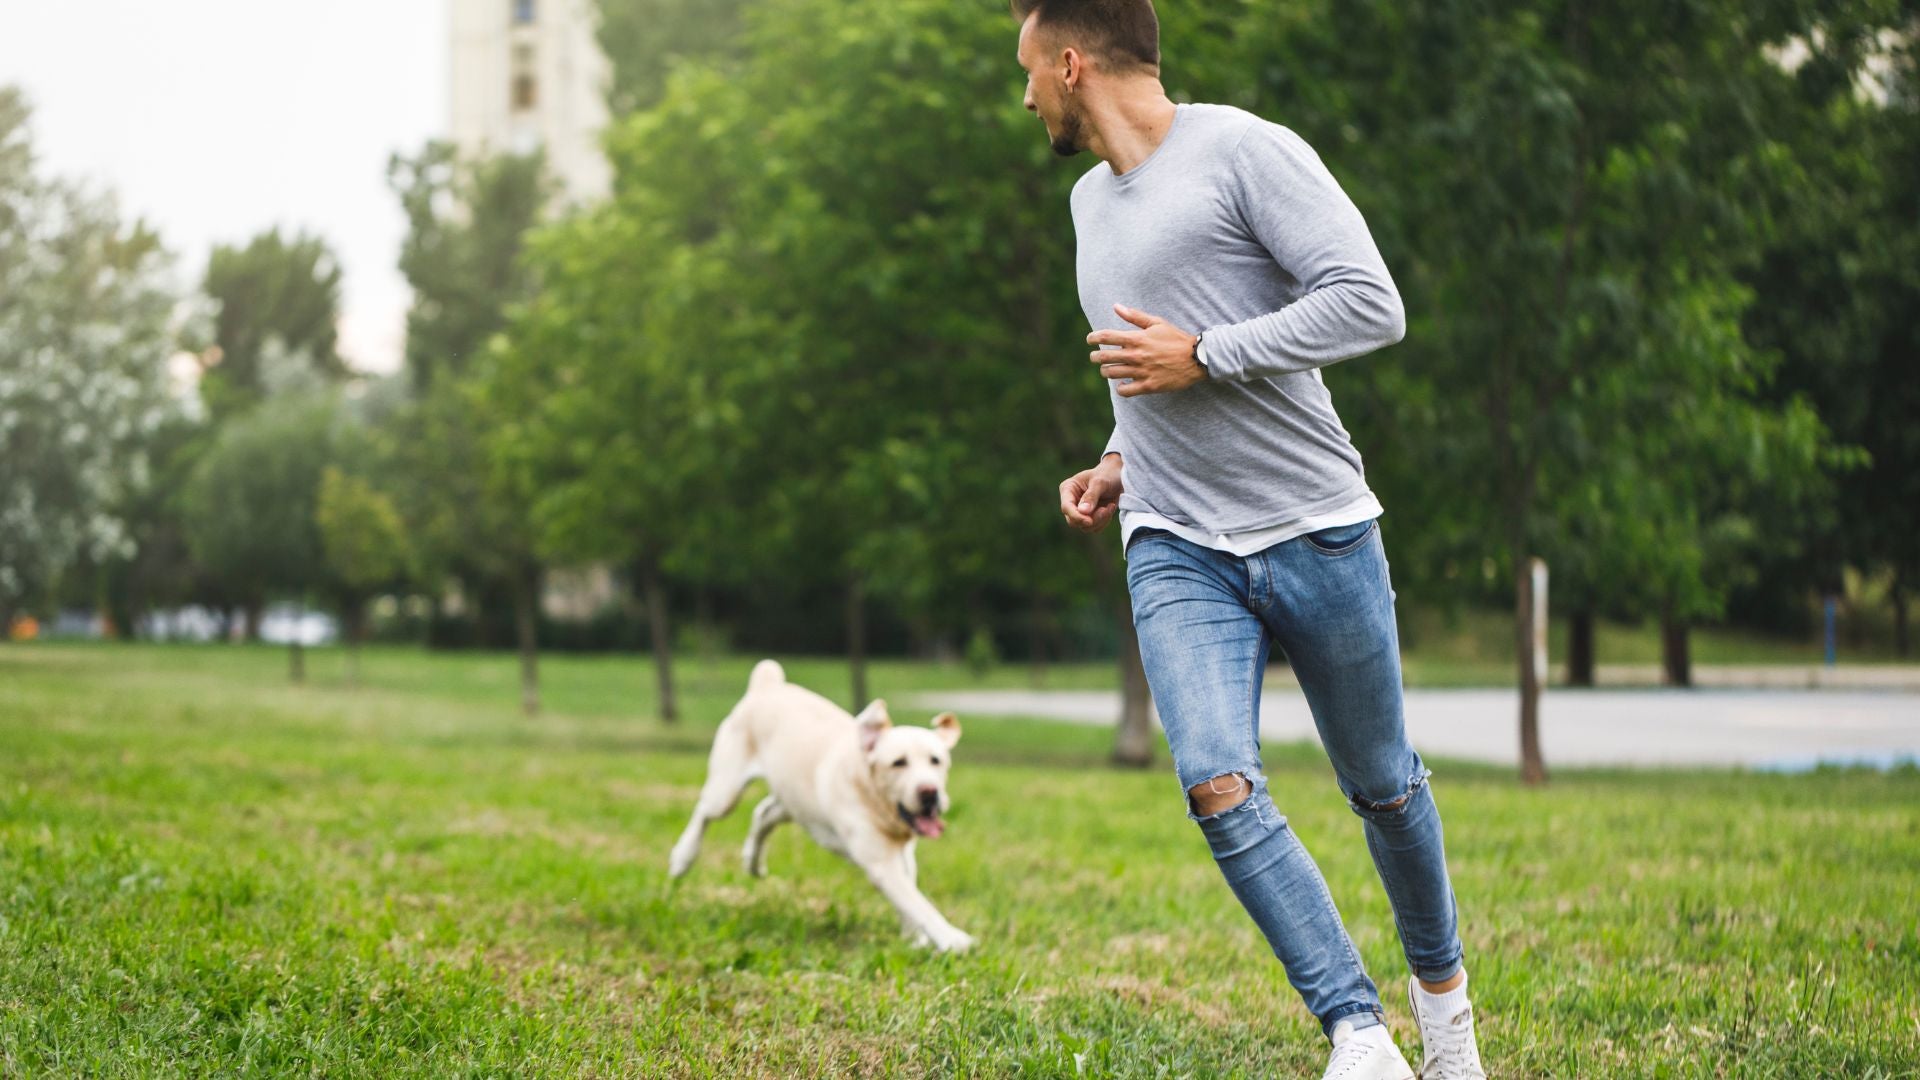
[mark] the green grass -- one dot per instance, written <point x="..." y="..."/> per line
<point x="204" y="870"/>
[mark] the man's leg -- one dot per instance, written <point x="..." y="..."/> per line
<point x="1330" y="606"/>
<point x="1205" y="652"/>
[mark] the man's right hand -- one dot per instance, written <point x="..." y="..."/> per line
<point x="1089" y="499"/>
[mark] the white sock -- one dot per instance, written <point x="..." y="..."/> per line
<point x="1446" y="1005"/>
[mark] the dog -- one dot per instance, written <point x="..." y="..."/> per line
<point x="861" y="787"/>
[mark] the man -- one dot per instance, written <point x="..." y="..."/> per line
<point x="1221" y="266"/>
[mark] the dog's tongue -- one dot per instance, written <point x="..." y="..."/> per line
<point x="928" y="826"/>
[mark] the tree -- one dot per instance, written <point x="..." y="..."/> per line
<point x="593" y="421"/>
<point x="1836" y="290"/>
<point x="85" y="335"/>
<point x="647" y="39"/>
<point x="467" y="221"/>
<point x="365" y="544"/>
<point x="1566" y="194"/>
<point x="249" y="506"/>
<point x="280" y="293"/>
<point x="740" y="338"/>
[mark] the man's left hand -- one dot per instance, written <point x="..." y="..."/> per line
<point x="1158" y="357"/>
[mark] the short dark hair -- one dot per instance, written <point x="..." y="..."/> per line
<point x="1125" y="33"/>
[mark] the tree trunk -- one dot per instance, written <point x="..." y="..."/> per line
<point x="1900" y="639"/>
<point x="251" y="621"/>
<point x="526" y="626"/>
<point x="857" y="639"/>
<point x="1133" y="743"/>
<point x="709" y="635"/>
<point x="656" y="594"/>
<point x="1527" y="638"/>
<point x="1580" y="648"/>
<point x="296" y="659"/>
<point x="1042" y="624"/>
<point x="1133" y="740"/>
<point x="1676" y="664"/>
<point x="354" y="616"/>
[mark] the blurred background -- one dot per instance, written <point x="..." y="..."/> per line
<point x="724" y="327"/>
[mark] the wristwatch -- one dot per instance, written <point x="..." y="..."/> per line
<point x="1200" y="353"/>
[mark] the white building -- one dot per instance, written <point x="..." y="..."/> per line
<point x="529" y="74"/>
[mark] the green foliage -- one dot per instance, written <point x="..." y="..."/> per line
<point x="249" y="506"/>
<point x="982" y="654"/>
<point x="361" y="533"/>
<point x="278" y="305"/>
<point x="827" y="319"/>
<point x="647" y="39"/>
<point x="465" y="223"/>
<point x="85" y="333"/>
<point x="1836" y="293"/>
<point x="1568" y="197"/>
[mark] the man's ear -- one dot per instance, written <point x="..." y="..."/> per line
<point x="873" y="721"/>
<point x="1072" y="67"/>
<point x="947" y="726"/>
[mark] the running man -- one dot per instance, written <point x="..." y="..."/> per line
<point x="1221" y="267"/>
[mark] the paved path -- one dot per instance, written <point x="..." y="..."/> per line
<point x="1769" y="676"/>
<point x="1774" y="729"/>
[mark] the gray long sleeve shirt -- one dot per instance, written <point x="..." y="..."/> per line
<point x="1233" y="226"/>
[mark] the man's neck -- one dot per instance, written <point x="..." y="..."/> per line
<point x="1131" y="124"/>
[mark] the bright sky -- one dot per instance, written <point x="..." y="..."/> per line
<point x="214" y="119"/>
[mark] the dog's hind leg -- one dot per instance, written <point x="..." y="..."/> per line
<point x="729" y="771"/>
<point x="767" y="816"/>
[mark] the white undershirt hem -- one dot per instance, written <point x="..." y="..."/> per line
<point x="1363" y="507"/>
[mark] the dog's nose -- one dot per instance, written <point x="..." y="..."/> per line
<point x="929" y="797"/>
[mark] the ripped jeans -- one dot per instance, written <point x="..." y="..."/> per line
<point x="1207" y="620"/>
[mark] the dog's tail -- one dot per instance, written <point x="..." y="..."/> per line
<point x="766" y="673"/>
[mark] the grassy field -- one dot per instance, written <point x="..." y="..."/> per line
<point x="204" y="870"/>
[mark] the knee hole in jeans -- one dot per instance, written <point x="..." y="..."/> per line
<point x="1414" y="784"/>
<point x="1219" y="794"/>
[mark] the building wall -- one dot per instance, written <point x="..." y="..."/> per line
<point x="527" y="74"/>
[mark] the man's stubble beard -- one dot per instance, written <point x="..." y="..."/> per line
<point x="1069" y="141"/>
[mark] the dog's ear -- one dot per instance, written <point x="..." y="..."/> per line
<point x="873" y="721"/>
<point x="947" y="726"/>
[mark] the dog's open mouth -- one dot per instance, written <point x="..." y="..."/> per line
<point x="927" y="825"/>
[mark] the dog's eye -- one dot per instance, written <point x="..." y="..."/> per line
<point x="900" y="764"/>
<point x="936" y="761"/>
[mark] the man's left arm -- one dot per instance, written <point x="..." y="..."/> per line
<point x="1297" y="210"/>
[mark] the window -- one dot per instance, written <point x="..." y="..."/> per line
<point x="525" y="89"/>
<point x="523" y="11"/>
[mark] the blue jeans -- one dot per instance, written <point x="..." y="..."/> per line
<point x="1207" y="620"/>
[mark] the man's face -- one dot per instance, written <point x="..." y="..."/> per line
<point x="1047" y="96"/>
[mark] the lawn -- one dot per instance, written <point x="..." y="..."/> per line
<point x="205" y="870"/>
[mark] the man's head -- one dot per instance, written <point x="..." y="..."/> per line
<point x="1073" y="48"/>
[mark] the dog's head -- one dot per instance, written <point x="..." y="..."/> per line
<point x="909" y="765"/>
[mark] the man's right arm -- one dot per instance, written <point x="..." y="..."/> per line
<point x="1090" y="498"/>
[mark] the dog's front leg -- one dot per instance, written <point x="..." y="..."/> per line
<point x="888" y="873"/>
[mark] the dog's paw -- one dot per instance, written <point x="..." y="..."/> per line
<point x="955" y="942"/>
<point x="681" y="861"/>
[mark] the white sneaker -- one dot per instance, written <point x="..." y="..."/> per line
<point x="1446" y="1033"/>
<point x="1366" y="1054"/>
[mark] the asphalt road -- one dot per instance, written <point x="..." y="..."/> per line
<point x="1769" y="729"/>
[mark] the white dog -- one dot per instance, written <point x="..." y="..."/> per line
<point x="860" y="786"/>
